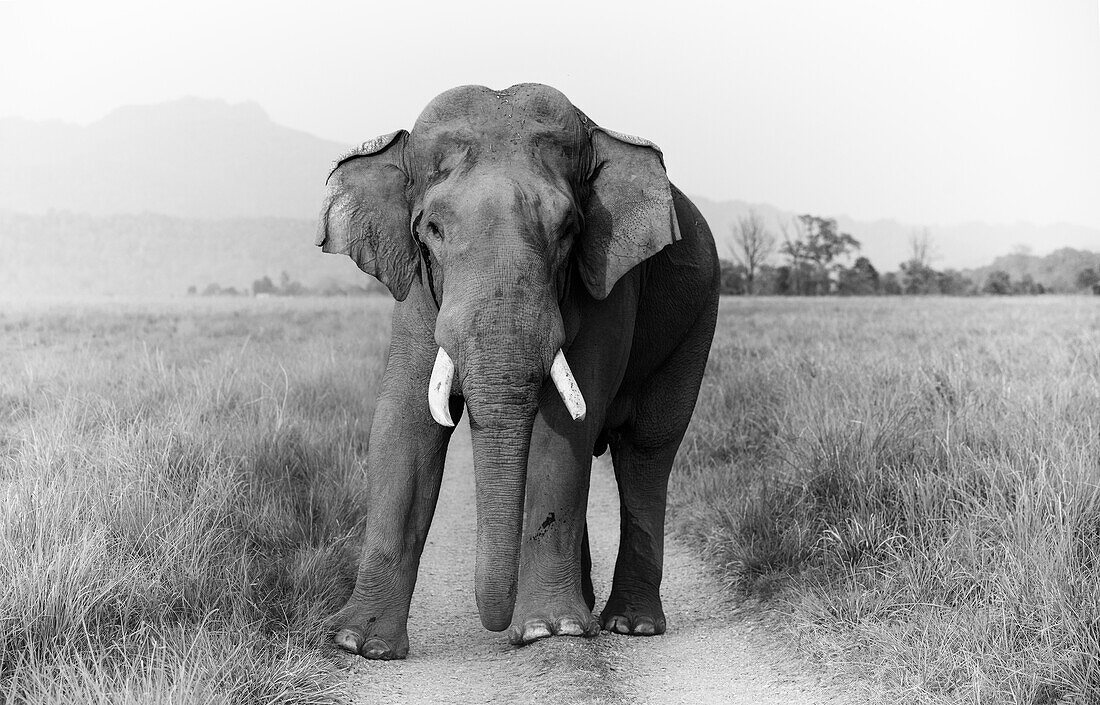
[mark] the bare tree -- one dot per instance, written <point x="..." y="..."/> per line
<point x="796" y="233"/>
<point x="917" y="275"/>
<point x="922" y="248"/>
<point x="753" y="244"/>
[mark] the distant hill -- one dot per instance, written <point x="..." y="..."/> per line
<point x="190" y="158"/>
<point x="66" y="255"/>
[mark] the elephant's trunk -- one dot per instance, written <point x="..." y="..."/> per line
<point x="502" y="397"/>
<point x="502" y="400"/>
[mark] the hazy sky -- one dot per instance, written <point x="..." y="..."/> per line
<point x="938" y="111"/>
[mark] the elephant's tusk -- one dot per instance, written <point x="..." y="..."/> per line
<point x="439" y="388"/>
<point x="567" y="387"/>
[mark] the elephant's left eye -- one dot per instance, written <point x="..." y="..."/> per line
<point x="433" y="230"/>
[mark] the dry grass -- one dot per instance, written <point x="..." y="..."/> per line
<point x="914" y="483"/>
<point x="181" y="491"/>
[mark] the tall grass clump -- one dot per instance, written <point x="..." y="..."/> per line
<point x="180" y="498"/>
<point x="914" y="483"/>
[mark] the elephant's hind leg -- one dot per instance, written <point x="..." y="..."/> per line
<point x="642" y="451"/>
<point x="634" y="606"/>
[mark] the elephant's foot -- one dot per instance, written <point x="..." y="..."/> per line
<point x="633" y="614"/>
<point x="359" y="632"/>
<point x="568" y="619"/>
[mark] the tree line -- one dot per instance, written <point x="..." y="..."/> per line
<point x="817" y="260"/>
<point x="287" y="286"/>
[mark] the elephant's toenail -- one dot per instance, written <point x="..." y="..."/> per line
<point x="645" y="628"/>
<point x="535" y="631"/>
<point x="375" y="648"/>
<point x="570" y="627"/>
<point x="619" y="625"/>
<point x="347" y="640"/>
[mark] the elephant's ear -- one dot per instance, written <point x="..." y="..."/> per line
<point x="365" y="214"/>
<point x="629" y="214"/>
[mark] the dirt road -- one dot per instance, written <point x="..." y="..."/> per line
<point x="704" y="657"/>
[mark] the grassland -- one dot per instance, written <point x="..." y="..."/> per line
<point x="911" y="484"/>
<point x="180" y="492"/>
<point x="914" y="485"/>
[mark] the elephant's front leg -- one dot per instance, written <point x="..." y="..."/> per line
<point x="551" y="597"/>
<point x="405" y="467"/>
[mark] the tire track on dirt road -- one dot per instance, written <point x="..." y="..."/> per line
<point x="704" y="658"/>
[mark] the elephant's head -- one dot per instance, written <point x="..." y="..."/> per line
<point x="492" y="203"/>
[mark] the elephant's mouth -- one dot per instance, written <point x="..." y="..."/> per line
<point x="442" y="380"/>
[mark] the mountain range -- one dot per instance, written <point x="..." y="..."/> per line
<point x="197" y="191"/>
<point x="190" y="158"/>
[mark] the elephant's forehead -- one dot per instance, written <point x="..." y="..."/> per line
<point x="512" y="120"/>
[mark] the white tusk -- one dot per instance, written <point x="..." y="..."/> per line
<point x="439" y="388"/>
<point x="567" y="387"/>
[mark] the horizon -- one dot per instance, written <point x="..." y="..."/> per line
<point x="930" y="115"/>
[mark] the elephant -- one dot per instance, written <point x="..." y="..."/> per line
<point x="553" y="284"/>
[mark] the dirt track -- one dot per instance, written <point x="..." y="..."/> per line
<point x="704" y="657"/>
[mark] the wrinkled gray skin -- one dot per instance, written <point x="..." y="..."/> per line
<point x="509" y="226"/>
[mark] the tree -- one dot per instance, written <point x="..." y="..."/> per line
<point x="289" y="287"/>
<point x="861" y="279"/>
<point x="814" y="246"/>
<point x="1087" y="278"/>
<point x="783" y="284"/>
<point x="890" y="285"/>
<point x="918" y="278"/>
<point x="922" y="247"/>
<point x="998" y="282"/>
<point x="767" y="280"/>
<point x="953" y="283"/>
<point x="917" y="274"/>
<point x="263" y="286"/>
<point x="753" y="244"/>
<point x="791" y="275"/>
<point x="733" y="278"/>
